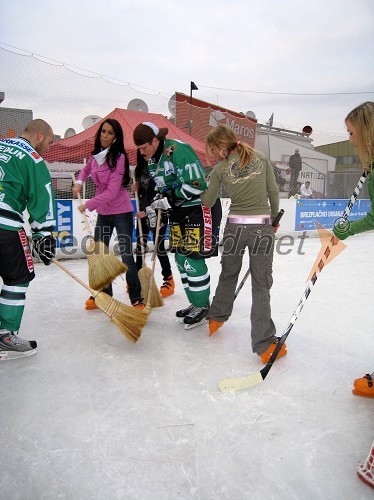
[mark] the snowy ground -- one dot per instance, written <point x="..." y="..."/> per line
<point x="92" y="416"/>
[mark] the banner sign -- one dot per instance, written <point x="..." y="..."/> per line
<point x="64" y="227"/>
<point x="325" y="212"/>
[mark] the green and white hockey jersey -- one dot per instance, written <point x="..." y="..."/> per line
<point x="25" y="182"/>
<point x="179" y="169"/>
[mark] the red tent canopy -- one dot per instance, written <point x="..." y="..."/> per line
<point x="75" y="149"/>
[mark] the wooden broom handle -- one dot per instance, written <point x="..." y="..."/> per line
<point x="84" y="215"/>
<point x="66" y="270"/>
<point x="140" y="229"/>
<point x="153" y="259"/>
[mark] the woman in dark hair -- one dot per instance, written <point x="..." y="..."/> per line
<point x="109" y="169"/>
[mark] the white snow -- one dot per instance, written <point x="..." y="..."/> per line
<point x="92" y="416"/>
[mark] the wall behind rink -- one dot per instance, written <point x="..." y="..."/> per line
<point x="299" y="216"/>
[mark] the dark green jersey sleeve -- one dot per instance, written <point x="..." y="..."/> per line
<point x="25" y="183"/>
<point x="180" y="171"/>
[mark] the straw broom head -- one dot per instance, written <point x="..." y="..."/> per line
<point x="103" y="266"/>
<point x="144" y="275"/>
<point x="150" y="294"/>
<point x="154" y="298"/>
<point x="129" y="320"/>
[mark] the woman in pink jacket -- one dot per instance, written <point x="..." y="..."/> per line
<point x="109" y="169"/>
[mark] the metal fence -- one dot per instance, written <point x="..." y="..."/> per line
<point x="342" y="184"/>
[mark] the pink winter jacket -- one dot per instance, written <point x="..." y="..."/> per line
<point x="111" y="197"/>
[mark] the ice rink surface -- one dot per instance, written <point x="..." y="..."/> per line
<point x="92" y="416"/>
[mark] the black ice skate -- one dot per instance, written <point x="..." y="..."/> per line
<point x="182" y="313"/>
<point x="196" y="317"/>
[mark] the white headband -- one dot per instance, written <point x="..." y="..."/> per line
<point x="152" y="126"/>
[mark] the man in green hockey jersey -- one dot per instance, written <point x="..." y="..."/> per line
<point x="25" y="183"/>
<point x="194" y="228"/>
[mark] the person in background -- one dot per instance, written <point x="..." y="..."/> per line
<point x="25" y="183"/>
<point x="250" y="182"/>
<point x="295" y="164"/>
<point x="194" y="229"/>
<point x="109" y="169"/>
<point x="306" y="191"/>
<point x="145" y="187"/>
<point x="280" y="180"/>
<point x="360" y="127"/>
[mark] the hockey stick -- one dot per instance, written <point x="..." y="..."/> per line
<point x="248" y="272"/>
<point x="235" y="384"/>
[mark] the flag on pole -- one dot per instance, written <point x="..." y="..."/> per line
<point x="193" y="86"/>
<point x="269" y="123"/>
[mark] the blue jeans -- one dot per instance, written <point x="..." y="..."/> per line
<point x="123" y="224"/>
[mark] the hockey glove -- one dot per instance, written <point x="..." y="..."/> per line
<point x="151" y="217"/>
<point x="161" y="203"/>
<point x="341" y="229"/>
<point x="45" y="249"/>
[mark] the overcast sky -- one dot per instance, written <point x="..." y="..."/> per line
<point x="261" y="47"/>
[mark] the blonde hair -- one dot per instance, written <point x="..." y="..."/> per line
<point x="362" y="118"/>
<point x="223" y="137"/>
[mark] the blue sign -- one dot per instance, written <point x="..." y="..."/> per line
<point x="326" y="212"/>
<point x="64" y="226"/>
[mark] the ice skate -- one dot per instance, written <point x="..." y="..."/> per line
<point x="265" y="356"/>
<point x="138" y="304"/>
<point x="168" y="287"/>
<point x="364" y="386"/>
<point x="182" y="313"/>
<point x="90" y="304"/>
<point x="214" y="326"/>
<point x="196" y="317"/>
<point x="13" y="347"/>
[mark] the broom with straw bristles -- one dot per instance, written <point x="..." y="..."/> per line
<point x="128" y="319"/>
<point x="154" y="297"/>
<point x="145" y="273"/>
<point x="103" y="266"/>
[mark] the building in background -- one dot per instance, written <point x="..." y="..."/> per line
<point x="279" y="144"/>
<point x="12" y="120"/>
<point x="343" y="180"/>
<point x="345" y="154"/>
<point x="197" y="118"/>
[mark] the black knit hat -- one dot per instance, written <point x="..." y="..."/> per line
<point x="146" y="131"/>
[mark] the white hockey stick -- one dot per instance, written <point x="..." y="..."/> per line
<point x="236" y="384"/>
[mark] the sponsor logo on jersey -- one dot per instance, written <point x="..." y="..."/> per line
<point x="26" y="250"/>
<point x="5" y="158"/>
<point x="169" y="168"/>
<point x="5" y="147"/>
<point x="169" y="151"/>
<point x="207" y="215"/>
<point x="187" y="266"/>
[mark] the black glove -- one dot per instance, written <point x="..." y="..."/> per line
<point x="45" y="249"/>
